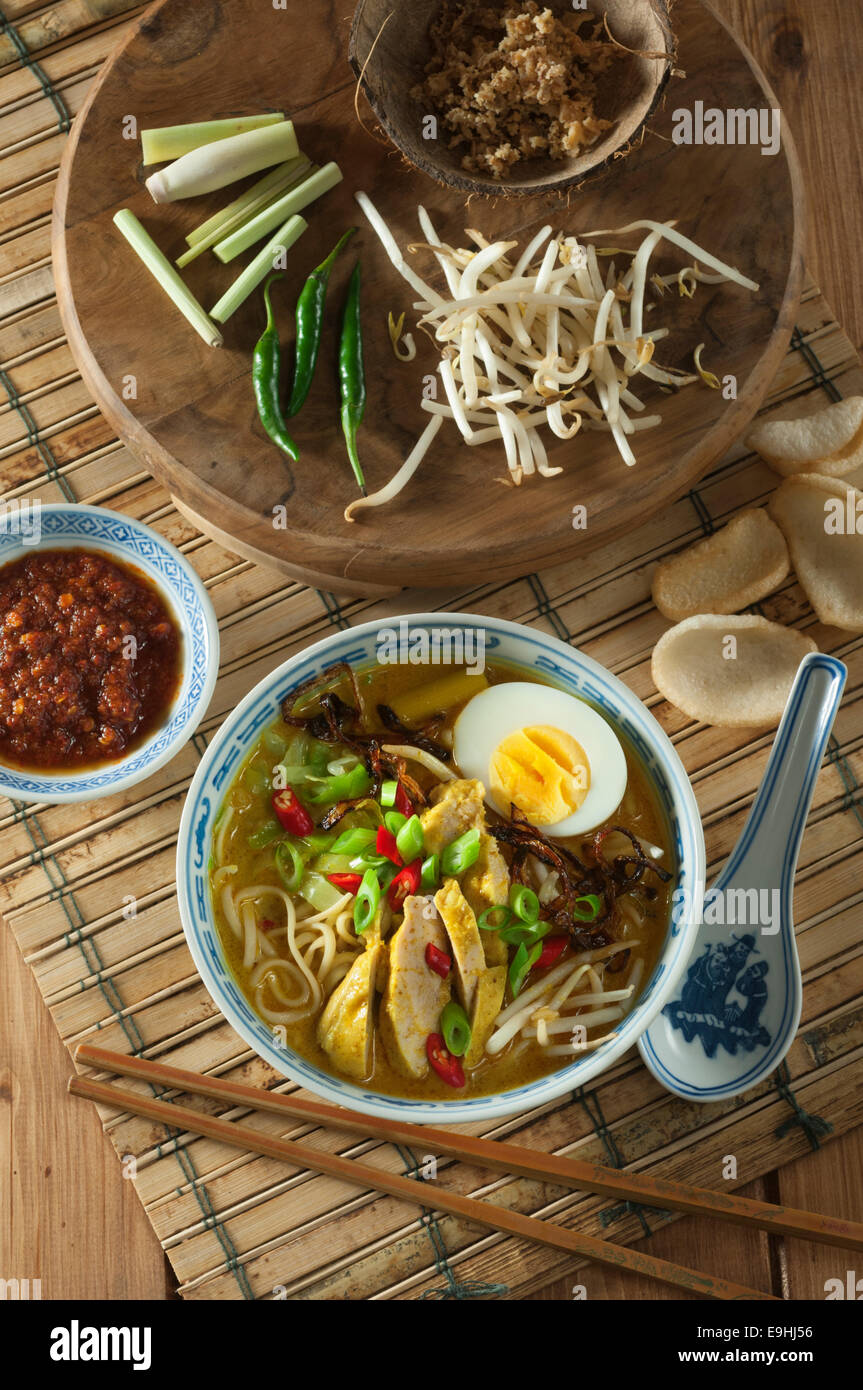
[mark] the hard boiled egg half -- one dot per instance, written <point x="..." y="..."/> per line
<point x="544" y="751"/>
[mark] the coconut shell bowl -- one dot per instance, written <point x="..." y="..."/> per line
<point x="391" y="47"/>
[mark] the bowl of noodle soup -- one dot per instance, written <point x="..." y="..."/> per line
<point x="273" y="920"/>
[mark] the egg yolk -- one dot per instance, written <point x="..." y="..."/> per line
<point x="543" y="771"/>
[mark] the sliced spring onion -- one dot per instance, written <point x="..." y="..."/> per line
<point x="214" y="166"/>
<point x="587" y="909"/>
<point x="253" y="275"/>
<point x="367" y="902"/>
<point x="162" y="143"/>
<point x="461" y="853"/>
<point x="455" y="1028"/>
<point x="409" y="839"/>
<point x="272" y="186"/>
<point x="268" y="832"/>
<point x="314" y="186"/>
<point x="166" y="276"/>
<point x="524" y="903"/>
<point x="524" y="933"/>
<point x="343" y="787"/>
<point x="495" y="918"/>
<point x="389" y="791"/>
<point x="521" y="965"/>
<point x="290" y="864"/>
<point x="430" y="873"/>
<point x="353" y="842"/>
<point x="361" y="862"/>
<point x="394" y="821"/>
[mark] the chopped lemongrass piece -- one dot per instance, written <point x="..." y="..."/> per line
<point x="223" y="162"/>
<point x="173" y="141"/>
<point x="301" y="167"/>
<point x="271" y="185"/>
<point x="263" y="264"/>
<point x="311" y="188"/>
<point x="162" y="271"/>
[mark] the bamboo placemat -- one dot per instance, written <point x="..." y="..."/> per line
<point x="89" y="891"/>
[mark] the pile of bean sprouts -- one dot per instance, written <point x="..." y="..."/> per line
<point x="541" y="340"/>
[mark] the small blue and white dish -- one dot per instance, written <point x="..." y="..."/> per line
<point x="74" y="526"/>
<point x="517" y="646"/>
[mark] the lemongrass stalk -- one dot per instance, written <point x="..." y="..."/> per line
<point x="223" y="162"/>
<point x="264" y="263"/>
<point x="271" y="184"/>
<point x="311" y="188"/>
<point x="164" y="273"/>
<point x="173" y="141"/>
<point x="241" y="218"/>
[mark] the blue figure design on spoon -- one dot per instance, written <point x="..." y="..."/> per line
<point x="704" y="1010"/>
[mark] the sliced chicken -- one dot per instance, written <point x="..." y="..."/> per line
<point x="486" y="884"/>
<point x="487" y="1005"/>
<point x="414" y="995"/>
<point x="464" y="936"/>
<point x="460" y="807"/>
<point x="346" y="1026"/>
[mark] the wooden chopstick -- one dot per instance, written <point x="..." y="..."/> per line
<point x="500" y="1156"/>
<point x="471" y="1209"/>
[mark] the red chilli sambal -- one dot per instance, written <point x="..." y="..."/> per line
<point x="89" y="659"/>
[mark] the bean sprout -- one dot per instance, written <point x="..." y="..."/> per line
<point x="516" y="337"/>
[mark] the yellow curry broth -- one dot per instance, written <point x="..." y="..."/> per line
<point x="519" y="1063"/>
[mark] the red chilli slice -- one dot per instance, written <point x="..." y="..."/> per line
<point x="441" y="1060"/>
<point x="386" y="844"/>
<point x="438" y="960"/>
<point x="405" y="885"/>
<point x="552" y="949"/>
<point x="346" y="883"/>
<point x="291" y="813"/>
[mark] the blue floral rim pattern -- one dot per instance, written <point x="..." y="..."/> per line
<point x="518" y="646"/>
<point x="75" y="525"/>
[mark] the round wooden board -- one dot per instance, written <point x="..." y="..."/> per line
<point x="192" y="419"/>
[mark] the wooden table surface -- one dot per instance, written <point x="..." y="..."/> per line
<point x="67" y="1216"/>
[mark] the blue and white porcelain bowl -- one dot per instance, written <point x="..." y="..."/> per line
<point x="74" y="526"/>
<point x="517" y="646"/>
